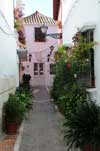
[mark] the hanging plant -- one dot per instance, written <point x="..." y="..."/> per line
<point x="62" y="49"/>
<point x="18" y="13"/>
<point x="18" y="25"/>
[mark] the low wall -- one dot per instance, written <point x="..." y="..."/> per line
<point x="7" y="86"/>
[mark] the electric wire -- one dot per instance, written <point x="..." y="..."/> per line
<point x="43" y="50"/>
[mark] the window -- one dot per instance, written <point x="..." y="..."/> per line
<point x="39" y="36"/>
<point x="88" y="36"/>
<point x="38" y="68"/>
<point x="52" y="68"/>
<point x="35" y="68"/>
<point x="41" y="68"/>
<point x="92" y="67"/>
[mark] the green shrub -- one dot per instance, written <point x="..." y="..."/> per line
<point x="60" y="80"/>
<point x="25" y="96"/>
<point x="83" y="126"/>
<point x="62" y="103"/>
<point x="17" y="105"/>
<point x="26" y="81"/>
<point x="14" y="109"/>
<point x="67" y="103"/>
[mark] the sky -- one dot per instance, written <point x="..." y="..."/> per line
<point x="43" y="6"/>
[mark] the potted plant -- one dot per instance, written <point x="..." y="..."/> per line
<point x="25" y="96"/>
<point x="68" y="66"/>
<point x="83" y="127"/>
<point x="26" y="80"/>
<point x="14" y="111"/>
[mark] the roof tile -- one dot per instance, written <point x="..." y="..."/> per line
<point x="38" y="18"/>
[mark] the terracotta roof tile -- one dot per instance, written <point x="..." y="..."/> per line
<point x="38" y="18"/>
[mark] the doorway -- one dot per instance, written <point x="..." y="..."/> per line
<point x="38" y="74"/>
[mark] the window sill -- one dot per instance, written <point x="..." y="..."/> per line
<point x="92" y="92"/>
<point x="40" y="41"/>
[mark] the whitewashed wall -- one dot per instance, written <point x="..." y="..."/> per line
<point x="8" y="56"/>
<point x="76" y="14"/>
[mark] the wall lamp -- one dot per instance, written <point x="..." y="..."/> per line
<point x="51" y="49"/>
<point x="44" y="29"/>
<point x="30" y="56"/>
<point x="49" y="55"/>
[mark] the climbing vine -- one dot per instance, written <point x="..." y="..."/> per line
<point x="72" y="64"/>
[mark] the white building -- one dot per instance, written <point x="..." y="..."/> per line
<point x="84" y="15"/>
<point x="8" y="55"/>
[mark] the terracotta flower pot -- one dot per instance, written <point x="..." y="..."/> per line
<point x="89" y="148"/>
<point x="68" y="65"/>
<point x="11" y="128"/>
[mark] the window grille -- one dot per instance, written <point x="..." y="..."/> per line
<point x="89" y="78"/>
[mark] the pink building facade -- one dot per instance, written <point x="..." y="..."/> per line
<point x="41" y="48"/>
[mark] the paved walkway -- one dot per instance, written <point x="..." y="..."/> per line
<point x="42" y="130"/>
<point x="7" y="143"/>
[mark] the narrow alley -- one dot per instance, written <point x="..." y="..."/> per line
<point x="50" y="75"/>
<point x="42" y="129"/>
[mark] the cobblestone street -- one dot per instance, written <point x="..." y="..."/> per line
<point x="42" y="129"/>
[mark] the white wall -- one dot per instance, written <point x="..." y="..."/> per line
<point x="76" y="14"/>
<point x="79" y="13"/>
<point x="8" y="45"/>
<point x="97" y="52"/>
<point x="8" y="56"/>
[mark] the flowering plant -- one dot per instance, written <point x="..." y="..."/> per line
<point x="18" y="24"/>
